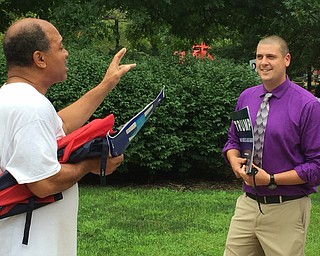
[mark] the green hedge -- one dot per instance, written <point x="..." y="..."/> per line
<point x="3" y="69"/>
<point x="188" y="130"/>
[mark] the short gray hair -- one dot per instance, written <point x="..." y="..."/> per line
<point x="276" y="39"/>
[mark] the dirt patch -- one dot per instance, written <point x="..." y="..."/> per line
<point x="188" y="185"/>
<point x="161" y="181"/>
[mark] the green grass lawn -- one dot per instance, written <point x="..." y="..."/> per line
<point x="162" y="222"/>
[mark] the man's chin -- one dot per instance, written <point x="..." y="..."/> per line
<point x="265" y="76"/>
<point x="61" y="80"/>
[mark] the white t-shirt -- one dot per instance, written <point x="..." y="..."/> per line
<point x="29" y="128"/>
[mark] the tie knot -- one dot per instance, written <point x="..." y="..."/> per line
<point x="267" y="96"/>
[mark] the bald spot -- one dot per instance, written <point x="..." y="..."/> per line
<point x="23" y="24"/>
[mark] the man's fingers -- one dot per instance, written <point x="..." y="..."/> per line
<point x="125" y="68"/>
<point x="118" y="159"/>
<point x="117" y="58"/>
<point x="116" y="62"/>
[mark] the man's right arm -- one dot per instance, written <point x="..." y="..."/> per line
<point x="236" y="162"/>
<point x="76" y="114"/>
<point x="70" y="174"/>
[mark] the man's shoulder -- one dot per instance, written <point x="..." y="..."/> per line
<point x="302" y="93"/>
<point x="20" y="105"/>
<point x="255" y="89"/>
<point x="23" y="97"/>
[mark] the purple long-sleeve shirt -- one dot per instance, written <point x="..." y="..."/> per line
<point x="292" y="136"/>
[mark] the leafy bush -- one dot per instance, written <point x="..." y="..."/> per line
<point x="3" y="68"/>
<point x="187" y="132"/>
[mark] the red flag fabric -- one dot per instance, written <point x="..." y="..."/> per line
<point x="90" y="131"/>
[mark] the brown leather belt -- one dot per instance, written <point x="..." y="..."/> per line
<point x="273" y="199"/>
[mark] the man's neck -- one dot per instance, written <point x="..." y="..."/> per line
<point x="20" y="75"/>
<point x="270" y="85"/>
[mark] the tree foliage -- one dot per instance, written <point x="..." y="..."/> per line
<point x="82" y="23"/>
<point x="232" y="28"/>
<point x="13" y="9"/>
<point x="242" y="23"/>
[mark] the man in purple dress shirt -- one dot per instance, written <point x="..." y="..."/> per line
<point x="290" y="168"/>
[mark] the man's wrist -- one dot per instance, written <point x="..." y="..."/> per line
<point x="272" y="183"/>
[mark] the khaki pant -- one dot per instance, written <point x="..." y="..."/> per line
<point x="281" y="231"/>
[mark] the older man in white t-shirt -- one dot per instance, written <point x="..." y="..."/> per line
<point x="30" y="127"/>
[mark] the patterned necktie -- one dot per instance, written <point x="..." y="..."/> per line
<point x="259" y="128"/>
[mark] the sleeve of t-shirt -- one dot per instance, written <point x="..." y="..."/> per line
<point x="34" y="153"/>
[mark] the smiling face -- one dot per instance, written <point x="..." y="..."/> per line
<point x="272" y="61"/>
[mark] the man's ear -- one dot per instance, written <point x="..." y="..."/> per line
<point x="287" y="59"/>
<point x="39" y="59"/>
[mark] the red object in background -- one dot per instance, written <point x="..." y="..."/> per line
<point x="181" y="55"/>
<point x="198" y="51"/>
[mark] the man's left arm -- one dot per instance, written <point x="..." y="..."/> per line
<point x="309" y="170"/>
<point x="75" y="115"/>
<point x="290" y="177"/>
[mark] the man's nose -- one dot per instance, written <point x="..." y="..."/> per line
<point x="264" y="60"/>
